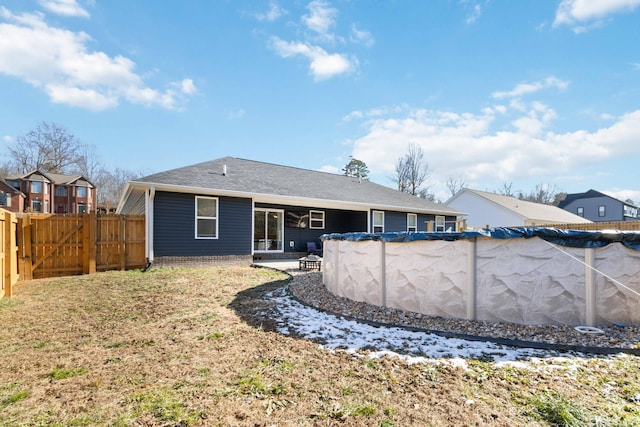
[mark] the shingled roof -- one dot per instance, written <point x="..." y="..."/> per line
<point x="267" y="182"/>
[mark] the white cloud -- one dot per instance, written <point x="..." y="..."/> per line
<point x="8" y="138"/>
<point x="321" y="18"/>
<point x="483" y="150"/>
<point x="322" y="65"/>
<point x="529" y="88"/>
<point x="622" y="194"/>
<point x="64" y="7"/>
<point x="475" y="13"/>
<point x="583" y="15"/>
<point x="362" y="37"/>
<point x="58" y="61"/>
<point x="274" y="12"/>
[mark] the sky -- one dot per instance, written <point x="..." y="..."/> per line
<point x="494" y="92"/>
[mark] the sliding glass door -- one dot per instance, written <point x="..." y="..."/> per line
<point x="268" y="228"/>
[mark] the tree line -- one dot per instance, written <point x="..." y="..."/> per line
<point x="412" y="175"/>
<point x="51" y="148"/>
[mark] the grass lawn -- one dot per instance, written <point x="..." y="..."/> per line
<point x="190" y="347"/>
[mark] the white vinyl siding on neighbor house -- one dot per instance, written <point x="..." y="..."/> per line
<point x="206" y="217"/>
<point x="412" y="222"/>
<point x="316" y="219"/>
<point x="378" y="222"/>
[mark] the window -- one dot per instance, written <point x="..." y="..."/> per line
<point x="602" y="211"/>
<point x="60" y="191"/>
<point x="81" y="191"/>
<point x="14" y="184"/>
<point x="316" y="219"/>
<point x="412" y="222"/>
<point x="580" y="211"/>
<point x="46" y="188"/>
<point x="82" y="208"/>
<point x="36" y="205"/>
<point x="46" y="206"/>
<point x="5" y="200"/>
<point x="439" y="223"/>
<point x="36" y="187"/>
<point x="378" y="222"/>
<point x="206" y="218"/>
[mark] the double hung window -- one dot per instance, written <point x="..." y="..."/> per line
<point x="206" y="217"/>
<point x="316" y="219"/>
<point x="412" y="222"/>
<point x="378" y="222"/>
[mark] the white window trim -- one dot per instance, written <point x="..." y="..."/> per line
<point x="440" y="223"/>
<point x="206" y="217"/>
<point x="603" y="209"/>
<point x="312" y="220"/>
<point x="415" y="226"/>
<point x="373" y="221"/>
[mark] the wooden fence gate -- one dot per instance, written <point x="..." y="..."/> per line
<point x="53" y="245"/>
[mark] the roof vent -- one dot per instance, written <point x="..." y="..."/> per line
<point x="224" y="170"/>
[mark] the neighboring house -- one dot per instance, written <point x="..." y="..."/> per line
<point x="494" y="210"/>
<point x="54" y="193"/>
<point x="11" y="199"/>
<point x="599" y="207"/>
<point x="233" y="209"/>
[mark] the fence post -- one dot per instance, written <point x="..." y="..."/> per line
<point x="89" y="243"/>
<point x="24" y="238"/>
<point x="590" y="286"/>
<point x="123" y="255"/>
<point x="472" y="279"/>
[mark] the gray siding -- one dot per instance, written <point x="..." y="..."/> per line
<point x="397" y="221"/>
<point x="174" y="227"/>
<point x="613" y="208"/>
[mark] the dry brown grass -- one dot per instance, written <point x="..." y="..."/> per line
<point x="189" y="347"/>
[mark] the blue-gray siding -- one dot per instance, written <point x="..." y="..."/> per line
<point x="397" y="221"/>
<point x="336" y="221"/>
<point x="614" y="209"/>
<point x="174" y="227"/>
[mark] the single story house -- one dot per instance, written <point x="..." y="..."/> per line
<point x="233" y="210"/>
<point x="598" y="207"/>
<point x="495" y="210"/>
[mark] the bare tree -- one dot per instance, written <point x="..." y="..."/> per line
<point x="49" y="148"/>
<point x="356" y="168"/>
<point x="413" y="172"/>
<point x="543" y="193"/>
<point x="455" y="184"/>
<point x="506" y="189"/>
<point x="111" y="185"/>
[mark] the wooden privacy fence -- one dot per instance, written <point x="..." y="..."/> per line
<point x="8" y="252"/>
<point x="599" y="226"/>
<point x="52" y="245"/>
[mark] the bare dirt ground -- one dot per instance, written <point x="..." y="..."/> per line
<point x="190" y="347"/>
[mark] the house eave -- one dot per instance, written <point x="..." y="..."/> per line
<point x="278" y="199"/>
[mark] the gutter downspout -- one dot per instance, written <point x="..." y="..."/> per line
<point x="149" y="196"/>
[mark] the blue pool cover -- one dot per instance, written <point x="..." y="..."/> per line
<point x="570" y="238"/>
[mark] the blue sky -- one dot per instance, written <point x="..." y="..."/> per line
<point x="522" y="92"/>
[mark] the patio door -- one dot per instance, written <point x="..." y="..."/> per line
<point x="268" y="230"/>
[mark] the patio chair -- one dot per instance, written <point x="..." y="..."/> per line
<point x="313" y="249"/>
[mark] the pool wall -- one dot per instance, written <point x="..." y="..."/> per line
<point x="526" y="281"/>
